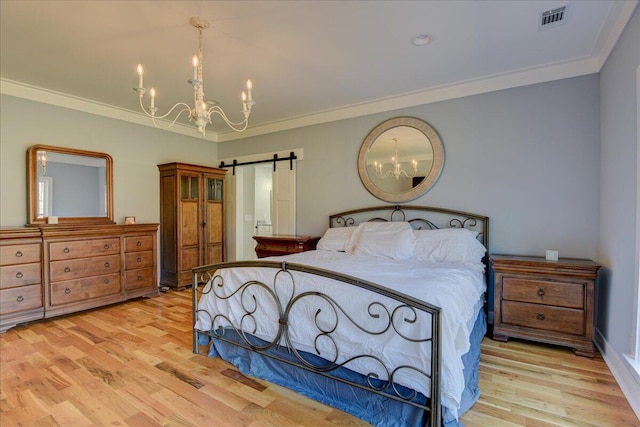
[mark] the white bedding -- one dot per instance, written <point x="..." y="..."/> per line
<point x="456" y="288"/>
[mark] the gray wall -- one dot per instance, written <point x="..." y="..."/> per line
<point x="136" y="152"/>
<point x="619" y="216"/>
<point x="527" y="157"/>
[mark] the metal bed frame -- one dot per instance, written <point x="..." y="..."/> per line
<point x="388" y="316"/>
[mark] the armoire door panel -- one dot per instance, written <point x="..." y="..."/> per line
<point x="190" y="229"/>
<point x="214" y="222"/>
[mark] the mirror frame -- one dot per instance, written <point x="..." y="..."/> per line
<point x="427" y="182"/>
<point x="32" y="183"/>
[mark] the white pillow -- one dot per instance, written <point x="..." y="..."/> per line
<point x="335" y="239"/>
<point x="382" y="239"/>
<point x="457" y="245"/>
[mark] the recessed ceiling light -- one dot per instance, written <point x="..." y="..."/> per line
<point x="421" y="40"/>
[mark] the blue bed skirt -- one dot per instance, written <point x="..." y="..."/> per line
<point x="372" y="408"/>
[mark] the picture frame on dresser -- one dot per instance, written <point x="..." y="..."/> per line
<point x="546" y="301"/>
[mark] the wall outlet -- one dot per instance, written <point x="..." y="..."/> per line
<point x="552" y="255"/>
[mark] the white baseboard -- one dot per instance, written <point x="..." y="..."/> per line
<point x="625" y="375"/>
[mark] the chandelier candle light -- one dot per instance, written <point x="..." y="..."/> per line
<point x="395" y="171"/>
<point x="201" y="112"/>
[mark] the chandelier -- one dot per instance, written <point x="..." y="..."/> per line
<point x="201" y="113"/>
<point x="395" y="171"/>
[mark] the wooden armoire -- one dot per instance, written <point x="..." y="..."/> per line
<point x="191" y="220"/>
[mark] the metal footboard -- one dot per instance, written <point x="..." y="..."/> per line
<point x="390" y="313"/>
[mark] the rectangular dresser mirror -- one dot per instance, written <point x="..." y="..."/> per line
<point x="73" y="186"/>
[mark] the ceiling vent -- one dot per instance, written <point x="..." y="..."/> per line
<point x="553" y="17"/>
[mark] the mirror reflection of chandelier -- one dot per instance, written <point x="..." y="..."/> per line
<point x="42" y="158"/>
<point x="200" y="114"/>
<point x="395" y="171"/>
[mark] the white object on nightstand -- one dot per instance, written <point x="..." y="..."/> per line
<point x="552" y="255"/>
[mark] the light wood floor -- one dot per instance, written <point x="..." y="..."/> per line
<point x="131" y="365"/>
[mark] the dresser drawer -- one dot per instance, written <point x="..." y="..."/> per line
<point x="83" y="289"/>
<point x="19" y="254"/>
<point x="558" y="319"/>
<point x="135" y="260"/>
<point x="135" y="279"/>
<point x="84" y="267"/>
<point x="20" y="275"/>
<point x="138" y="243"/>
<point x="83" y="248"/>
<point x="562" y="294"/>
<point x="20" y="299"/>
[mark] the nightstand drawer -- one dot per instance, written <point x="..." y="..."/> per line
<point x="558" y="319"/>
<point x="284" y="245"/>
<point x="283" y="248"/>
<point x="549" y="292"/>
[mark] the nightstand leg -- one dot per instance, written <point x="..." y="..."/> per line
<point x="585" y="352"/>
<point x="501" y="338"/>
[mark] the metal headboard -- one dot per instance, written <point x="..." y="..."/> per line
<point x="420" y="218"/>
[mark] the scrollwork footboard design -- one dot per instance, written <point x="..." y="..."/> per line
<point x="265" y="314"/>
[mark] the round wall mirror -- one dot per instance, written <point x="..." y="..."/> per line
<point x="400" y="159"/>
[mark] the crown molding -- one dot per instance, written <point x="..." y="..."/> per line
<point x="523" y="77"/>
<point x="59" y="99"/>
<point x="457" y="90"/>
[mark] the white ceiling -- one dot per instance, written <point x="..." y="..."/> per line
<point x="310" y="61"/>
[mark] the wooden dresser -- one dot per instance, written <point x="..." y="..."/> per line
<point x="545" y="301"/>
<point x="284" y="244"/>
<point x="56" y="270"/>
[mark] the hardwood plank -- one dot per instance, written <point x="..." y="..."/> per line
<point x="131" y="365"/>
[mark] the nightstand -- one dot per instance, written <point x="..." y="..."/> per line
<point x="284" y="244"/>
<point x="545" y="301"/>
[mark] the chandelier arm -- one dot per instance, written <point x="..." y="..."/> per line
<point x="154" y="118"/>
<point x="238" y="127"/>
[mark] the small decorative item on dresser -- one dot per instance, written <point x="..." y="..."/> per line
<point x="284" y="244"/>
<point x="128" y="220"/>
<point x="545" y="301"/>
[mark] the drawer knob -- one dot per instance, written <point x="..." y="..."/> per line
<point x="67" y="269"/>
<point x="67" y="291"/>
<point x="139" y="259"/>
<point x="106" y="281"/>
<point x="106" y="246"/>
<point x="107" y="265"/>
<point x="541" y="292"/>
<point x="65" y="250"/>
<point x="139" y="243"/>
<point x="139" y="278"/>
<point x="19" y="274"/>
<point x="20" y="298"/>
<point x="19" y="254"/>
<point x="540" y="316"/>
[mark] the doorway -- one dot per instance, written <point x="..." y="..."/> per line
<point x="259" y="201"/>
